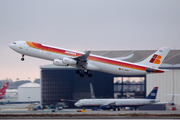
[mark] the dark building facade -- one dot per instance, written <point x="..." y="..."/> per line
<point x="59" y="83"/>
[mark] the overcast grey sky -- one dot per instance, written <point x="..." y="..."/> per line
<point x="84" y="25"/>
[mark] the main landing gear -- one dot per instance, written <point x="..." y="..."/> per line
<point x="22" y="59"/>
<point x="83" y="72"/>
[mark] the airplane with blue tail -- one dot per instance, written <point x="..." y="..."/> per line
<point x="116" y="104"/>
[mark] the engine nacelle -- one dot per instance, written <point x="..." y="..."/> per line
<point x="58" y="62"/>
<point x="69" y="61"/>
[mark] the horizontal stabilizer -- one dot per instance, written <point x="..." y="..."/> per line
<point x="124" y="58"/>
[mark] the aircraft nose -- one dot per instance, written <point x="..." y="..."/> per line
<point x="11" y="46"/>
<point x="76" y="104"/>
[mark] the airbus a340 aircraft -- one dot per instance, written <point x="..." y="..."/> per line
<point x="117" y="103"/>
<point x="86" y="61"/>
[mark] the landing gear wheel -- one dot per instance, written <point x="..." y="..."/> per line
<point x="86" y="73"/>
<point x="22" y="59"/>
<point x="77" y="71"/>
<point x="82" y="73"/>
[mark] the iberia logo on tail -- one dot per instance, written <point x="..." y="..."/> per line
<point x="155" y="59"/>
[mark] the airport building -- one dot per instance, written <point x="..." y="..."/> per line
<point x="29" y="92"/>
<point x="62" y="83"/>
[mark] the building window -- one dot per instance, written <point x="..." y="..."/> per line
<point x="129" y="87"/>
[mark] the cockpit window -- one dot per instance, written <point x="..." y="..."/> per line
<point x="14" y="42"/>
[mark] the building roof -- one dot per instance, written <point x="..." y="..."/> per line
<point x="172" y="60"/>
<point x="29" y="85"/>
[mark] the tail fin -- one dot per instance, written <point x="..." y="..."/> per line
<point x="92" y="91"/>
<point x="152" y="94"/>
<point x="155" y="60"/>
<point x="172" y="100"/>
<point x="3" y="89"/>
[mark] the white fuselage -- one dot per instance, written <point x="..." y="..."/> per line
<point x="117" y="102"/>
<point x="94" y="62"/>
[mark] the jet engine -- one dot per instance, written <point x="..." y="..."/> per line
<point x="69" y="61"/>
<point x="58" y="62"/>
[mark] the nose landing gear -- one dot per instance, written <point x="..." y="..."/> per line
<point x="22" y="59"/>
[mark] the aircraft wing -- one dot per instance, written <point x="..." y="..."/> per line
<point x="124" y="58"/>
<point x="83" y="58"/>
<point x="110" y="105"/>
<point x="173" y="94"/>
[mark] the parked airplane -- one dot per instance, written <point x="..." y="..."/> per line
<point x="117" y="103"/>
<point x="171" y="102"/>
<point x="86" y="61"/>
<point x="3" y="90"/>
